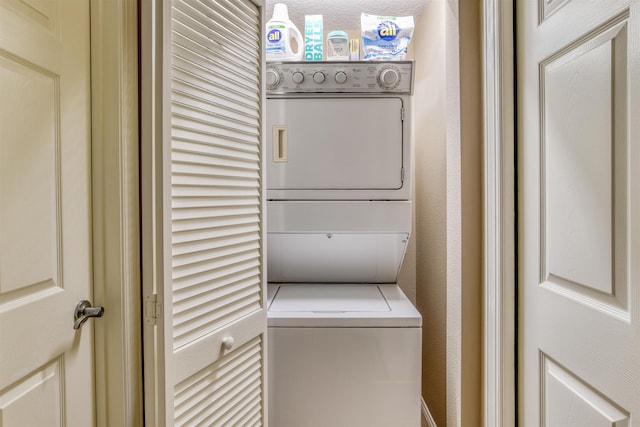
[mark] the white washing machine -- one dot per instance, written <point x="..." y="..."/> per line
<point x="344" y="345"/>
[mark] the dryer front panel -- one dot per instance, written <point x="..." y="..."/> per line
<point x="324" y="144"/>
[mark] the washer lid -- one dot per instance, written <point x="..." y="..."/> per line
<point x="329" y="299"/>
<point x="304" y="305"/>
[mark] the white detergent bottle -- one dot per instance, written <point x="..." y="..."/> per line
<point x="280" y="32"/>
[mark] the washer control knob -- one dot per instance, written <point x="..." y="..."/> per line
<point x="318" y="77"/>
<point x="273" y="79"/>
<point x="297" y="77"/>
<point x="340" y="77"/>
<point x="389" y="78"/>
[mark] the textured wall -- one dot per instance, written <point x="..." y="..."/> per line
<point x="431" y="219"/>
<point x="448" y="131"/>
<point x="471" y="128"/>
<point x="345" y="14"/>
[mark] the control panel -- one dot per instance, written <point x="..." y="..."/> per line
<point x="339" y="77"/>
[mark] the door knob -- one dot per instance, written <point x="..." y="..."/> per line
<point x="227" y="343"/>
<point x="83" y="311"/>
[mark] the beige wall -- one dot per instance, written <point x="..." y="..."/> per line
<point x="472" y="216"/>
<point x="430" y="201"/>
<point x="448" y="129"/>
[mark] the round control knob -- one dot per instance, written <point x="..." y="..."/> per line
<point x="388" y="78"/>
<point x="340" y="77"/>
<point x="297" y="77"/>
<point x="273" y="78"/>
<point x="318" y="77"/>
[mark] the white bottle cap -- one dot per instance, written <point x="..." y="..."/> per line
<point x="280" y="12"/>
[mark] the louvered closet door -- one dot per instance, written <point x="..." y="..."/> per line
<point x="210" y="322"/>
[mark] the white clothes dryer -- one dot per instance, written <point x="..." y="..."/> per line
<point x="329" y="139"/>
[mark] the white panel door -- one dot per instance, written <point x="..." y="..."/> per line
<point x="579" y="211"/>
<point x="46" y="373"/>
<point x="205" y="323"/>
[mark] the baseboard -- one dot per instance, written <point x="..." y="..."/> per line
<point x="427" y="419"/>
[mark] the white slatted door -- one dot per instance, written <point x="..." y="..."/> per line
<point x="579" y="136"/>
<point x="211" y="324"/>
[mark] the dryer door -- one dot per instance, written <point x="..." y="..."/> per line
<point x="335" y="143"/>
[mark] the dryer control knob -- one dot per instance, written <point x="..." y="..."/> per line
<point x="273" y="79"/>
<point x="340" y="77"/>
<point x="318" y="77"/>
<point x="297" y="77"/>
<point x="389" y="78"/>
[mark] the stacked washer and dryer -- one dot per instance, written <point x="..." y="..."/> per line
<point x="344" y="346"/>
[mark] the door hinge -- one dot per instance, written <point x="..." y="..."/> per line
<point x="402" y="114"/>
<point x="402" y="175"/>
<point x="152" y="309"/>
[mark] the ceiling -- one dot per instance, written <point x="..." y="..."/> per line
<point x="345" y="14"/>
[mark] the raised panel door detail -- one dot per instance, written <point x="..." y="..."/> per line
<point x="29" y="180"/>
<point x="583" y="169"/>
<point x="569" y="401"/>
<point x="45" y="14"/>
<point x="40" y="389"/>
<point x="547" y="7"/>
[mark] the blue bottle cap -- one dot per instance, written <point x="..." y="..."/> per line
<point x="338" y="35"/>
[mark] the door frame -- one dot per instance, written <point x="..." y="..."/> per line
<point x="500" y="293"/>
<point x="116" y="249"/>
<point x="115" y="204"/>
